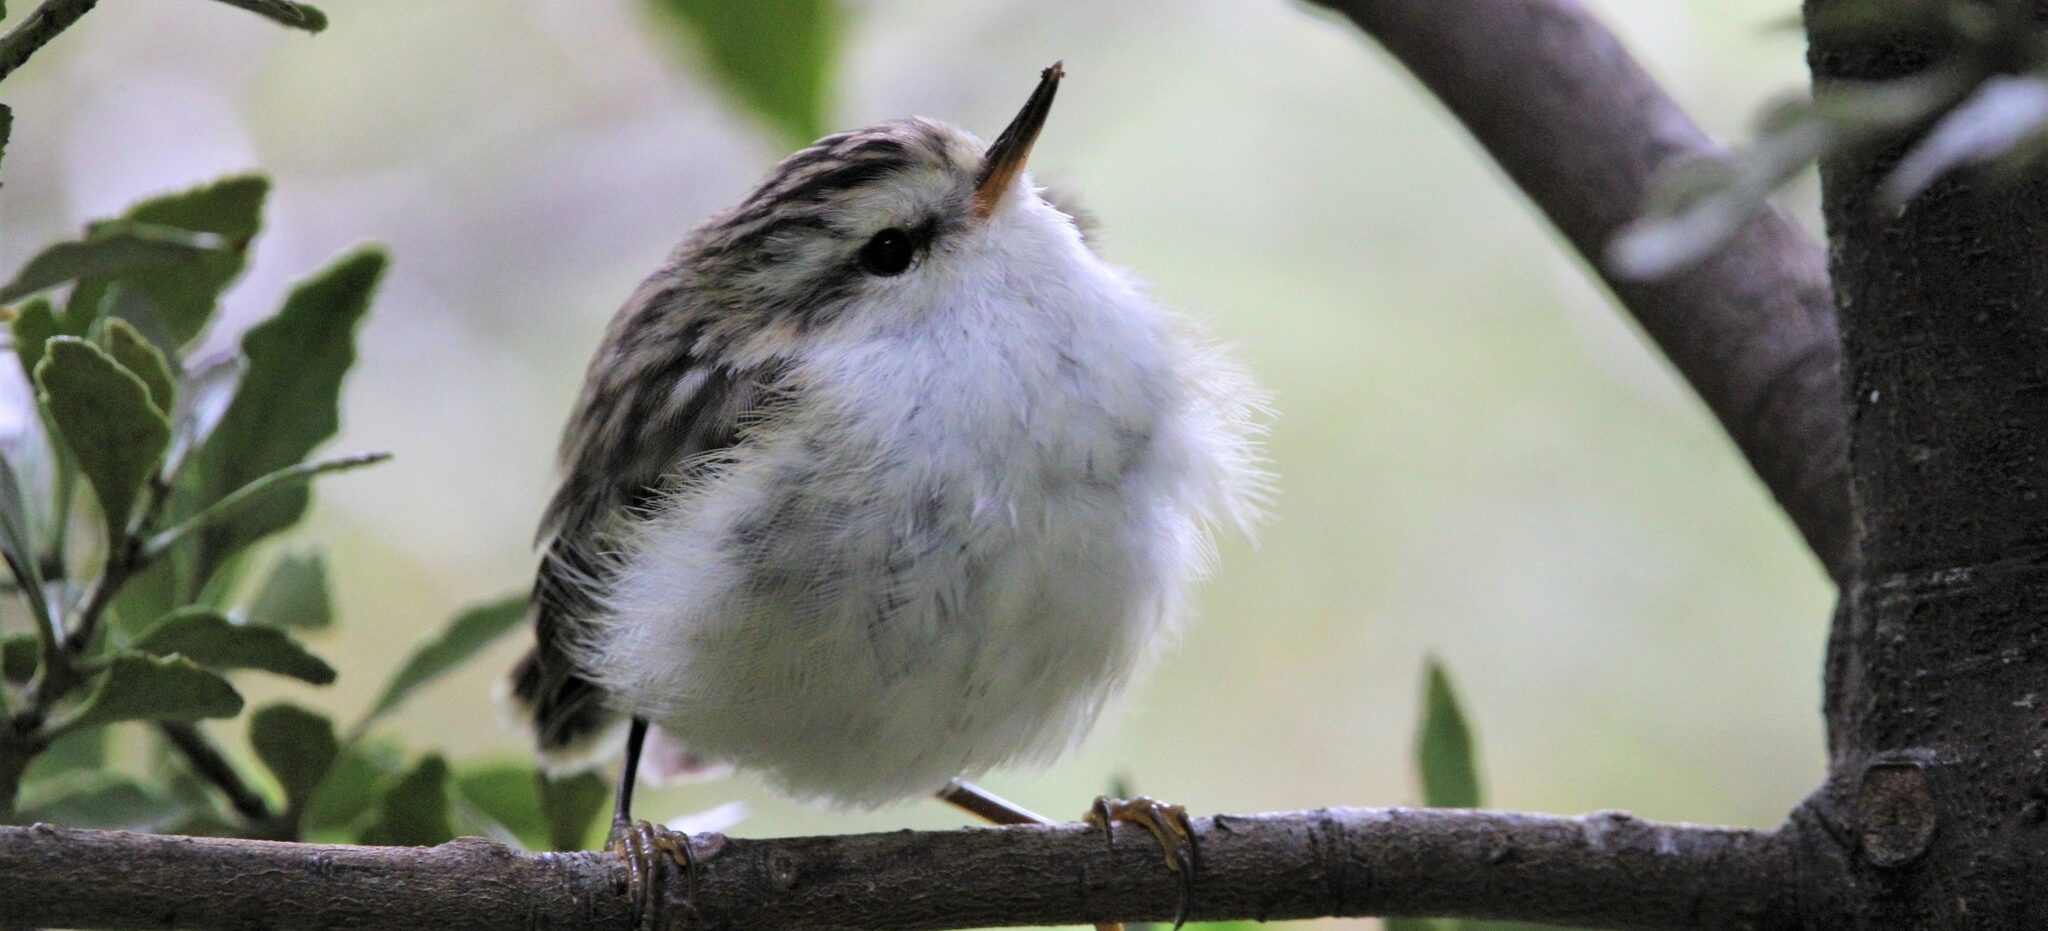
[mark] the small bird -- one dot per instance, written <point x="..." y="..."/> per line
<point x="884" y="478"/>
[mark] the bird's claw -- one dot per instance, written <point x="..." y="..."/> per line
<point x="642" y="846"/>
<point x="1169" y="825"/>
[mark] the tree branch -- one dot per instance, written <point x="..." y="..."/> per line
<point x="37" y="29"/>
<point x="1605" y="870"/>
<point x="1582" y="129"/>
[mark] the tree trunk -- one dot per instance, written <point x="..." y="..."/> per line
<point x="1937" y="699"/>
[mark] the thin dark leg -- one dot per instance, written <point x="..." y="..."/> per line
<point x="635" y="737"/>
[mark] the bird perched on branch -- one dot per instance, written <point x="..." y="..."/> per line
<point x="884" y="478"/>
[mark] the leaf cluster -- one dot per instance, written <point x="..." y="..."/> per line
<point x="133" y="506"/>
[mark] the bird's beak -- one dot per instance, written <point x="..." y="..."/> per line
<point x="1005" y="158"/>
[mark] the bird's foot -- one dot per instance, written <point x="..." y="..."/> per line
<point x="1169" y="825"/>
<point x="642" y="846"/>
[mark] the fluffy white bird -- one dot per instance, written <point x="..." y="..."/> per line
<point x="883" y="479"/>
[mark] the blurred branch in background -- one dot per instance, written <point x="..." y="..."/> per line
<point x="54" y="16"/>
<point x="1603" y="870"/>
<point x="37" y="29"/>
<point x="1584" y="133"/>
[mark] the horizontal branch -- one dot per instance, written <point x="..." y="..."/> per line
<point x="1606" y="870"/>
<point x="1583" y="129"/>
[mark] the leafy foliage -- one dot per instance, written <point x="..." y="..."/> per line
<point x="208" y="638"/>
<point x="286" y="404"/>
<point x="298" y="747"/>
<point x="1982" y="101"/>
<point x="103" y="414"/>
<point x="181" y="494"/>
<point x="149" y="688"/>
<point x="414" y="811"/>
<point x="775" y="56"/>
<point x="110" y="249"/>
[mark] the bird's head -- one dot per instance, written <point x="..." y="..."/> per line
<point x="904" y="215"/>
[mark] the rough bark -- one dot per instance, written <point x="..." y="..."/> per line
<point x="1582" y="129"/>
<point x="1933" y="816"/>
<point x="1605" y="870"/>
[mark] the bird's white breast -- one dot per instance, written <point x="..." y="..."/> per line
<point x="962" y="530"/>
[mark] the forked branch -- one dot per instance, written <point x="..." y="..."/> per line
<point x="1604" y="870"/>
<point x="1582" y="129"/>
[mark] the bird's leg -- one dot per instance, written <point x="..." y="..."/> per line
<point x="642" y="844"/>
<point x="1169" y="825"/>
<point x="1167" y="822"/>
<point x="987" y="806"/>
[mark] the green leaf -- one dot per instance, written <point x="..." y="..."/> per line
<point x="347" y="796"/>
<point x="470" y="632"/>
<point x="284" y="12"/>
<point x="102" y="800"/>
<point x="184" y="295"/>
<point x="209" y="639"/>
<point x="286" y="404"/>
<point x="138" y="355"/>
<point x="113" y="249"/>
<point x="297" y="746"/>
<point x="572" y="805"/>
<point x="102" y="412"/>
<point x="775" y="56"/>
<point x="1443" y="747"/>
<point x="507" y="796"/>
<point x="295" y="594"/>
<point x="67" y="758"/>
<point x="414" y="812"/>
<point x="136" y="687"/>
<point x="33" y="326"/>
<point x="18" y="655"/>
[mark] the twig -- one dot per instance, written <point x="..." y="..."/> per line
<point x="209" y="763"/>
<point x="233" y="502"/>
<point x="1579" y="125"/>
<point x="37" y="29"/>
<point x="1604" y="870"/>
<point x="124" y="561"/>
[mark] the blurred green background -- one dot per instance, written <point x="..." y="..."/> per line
<point x="1478" y="456"/>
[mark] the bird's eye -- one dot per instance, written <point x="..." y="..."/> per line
<point x="889" y="253"/>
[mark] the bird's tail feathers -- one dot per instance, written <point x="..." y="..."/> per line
<point x="564" y="714"/>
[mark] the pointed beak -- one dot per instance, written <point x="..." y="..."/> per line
<point x="1006" y="156"/>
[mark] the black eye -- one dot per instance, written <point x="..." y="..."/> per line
<point x="889" y="253"/>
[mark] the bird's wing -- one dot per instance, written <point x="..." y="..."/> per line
<point x="655" y="406"/>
